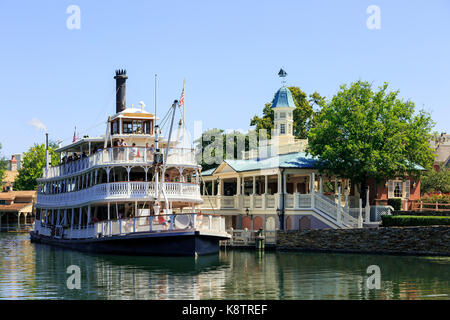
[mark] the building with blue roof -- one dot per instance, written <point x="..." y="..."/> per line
<point x="279" y="185"/>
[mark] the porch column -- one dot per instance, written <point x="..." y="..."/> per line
<point x="219" y="189"/>
<point x="346" y="198"/>
<point x="338" y="215"/>
<point x="180" y="170"/>
<point x="213" y="182"/>
<point x="109" y="211"/>
<point x="254" y="185"/>
<point x="128" y="172"/>
<point x="321" y="185"/>
<point x="65" y="216"/>
<point x="360" y="218"/>
<point x="108" y="170"/>
<point x="146" y="171"/>
<point x="285" y="182"/>
<point x="279" y="186"/>
<point x="58" y="214"/>
<point x="367" y="206"/>
<point x="238" y="185"/>
<point x="204" y="187"/>
<point x="266" y="184"/>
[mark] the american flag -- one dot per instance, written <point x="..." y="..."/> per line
<point x="75" y="135"/>
<point x="181" y="102"/>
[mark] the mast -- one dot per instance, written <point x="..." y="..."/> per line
<point x="156" y="206"/>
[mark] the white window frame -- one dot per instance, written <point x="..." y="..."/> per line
<point x="405" y="189"/>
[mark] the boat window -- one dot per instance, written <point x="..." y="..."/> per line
<point x="148" y="127"/>
<point x="127" y="127"/>
<point x="137" y="126"/>
<point x="114" y="127"/>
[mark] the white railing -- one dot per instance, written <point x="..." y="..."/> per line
<point x="379" y="211"/>
<point x="257" y="201"/>
<point x="227" y="202"/>
<point x="119" y="155"/>
<point x="247" y="237"/>
<point x="126" y="226"/>
<point x="270" y="201"/>
<point x="304" y="200"/>
<point x="175" y="191"/>
<point x="340" y="215"/>
<point x="326" y="206"/>
<point x="289" y="201"/>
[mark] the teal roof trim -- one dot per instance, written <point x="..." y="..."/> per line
<point x="291" y="160"/>
<point x="299" y="160"/>
<point x="283" y="98"/>
<point x="208" y="172"/>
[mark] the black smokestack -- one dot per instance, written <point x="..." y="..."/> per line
<point x="121" y="86"/>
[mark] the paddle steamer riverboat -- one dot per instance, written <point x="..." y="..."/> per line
<point x="131" y="191"/>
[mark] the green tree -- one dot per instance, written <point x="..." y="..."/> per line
<point x="33" y="164"/>
<point x="216" y="145"/>
<point x="436" y="180"/>
<point x="303" y="113"/>
<point x="3" y="167"/>
<point x="361" y="134"/>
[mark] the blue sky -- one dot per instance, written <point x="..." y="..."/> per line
<point x="228" y="51"/>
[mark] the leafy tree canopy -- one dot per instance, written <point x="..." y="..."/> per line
<point x="303" y="113"/>
<point x="216" y="145"/>
<point x="436" y="180"/>
<point x="3" y="166"/>
<point x="362" y="134"/>
<point x="33" y="164"/>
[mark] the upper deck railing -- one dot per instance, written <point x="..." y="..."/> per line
<point x="139" y="191"/>
<point x="120" y="155"/>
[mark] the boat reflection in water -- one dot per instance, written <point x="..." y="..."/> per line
<point x="130" y="277"/>
<point x="232" y="274"/>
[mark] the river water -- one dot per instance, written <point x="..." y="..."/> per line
<point x="36" y="271"/>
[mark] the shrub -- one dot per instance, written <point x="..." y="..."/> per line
<point x="436" y="197"/>
<point x="403" y="221"/>
<point x="395" y="203"/>
<point x="421" y="213"/>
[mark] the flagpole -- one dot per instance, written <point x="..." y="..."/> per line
<point x="184" y="103"/>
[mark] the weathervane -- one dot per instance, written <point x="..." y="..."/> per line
<point x="282" y="74"/>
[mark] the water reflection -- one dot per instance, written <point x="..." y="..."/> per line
<point x="39" y="271"/>
<point x="131" y="277"/>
